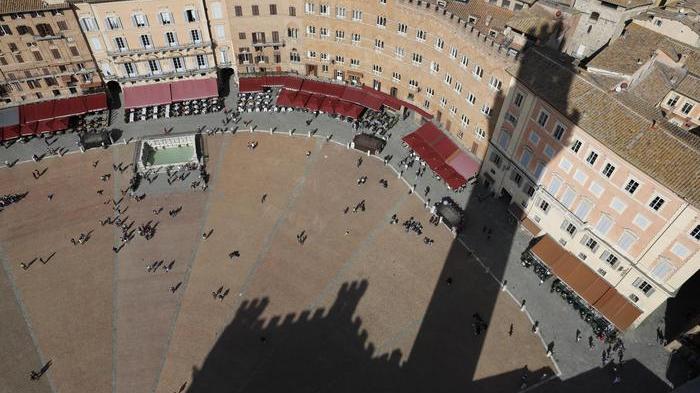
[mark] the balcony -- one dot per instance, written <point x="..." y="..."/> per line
<point x="52" y="37"/>
<point x="162" y="75"/>
<point x="155" y="49"/>
<point x="264" y="44"/>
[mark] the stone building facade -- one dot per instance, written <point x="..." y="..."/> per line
<point x="43" y="53"/>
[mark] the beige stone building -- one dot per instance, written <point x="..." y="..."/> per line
<point x="43" y="53"/>
<point x="144" y="41"/>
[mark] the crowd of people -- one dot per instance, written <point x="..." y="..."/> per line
<point x="176" y="109"/>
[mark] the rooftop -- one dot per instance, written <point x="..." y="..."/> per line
<point x="636" y="45"/>
<point x="662" y="151"/>
<point x="488" y="17"/>
<point x="690" y="87"/>
<point x="16" y="6"/>
<point x="629" y="4"/>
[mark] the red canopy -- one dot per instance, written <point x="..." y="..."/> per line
<point x="328" y="105"/>
<point x="387" y="100"/>
<point x="314" y="102"/>
<point x="429" y="133"/>
<point x="463" y="164"/>
<point x="285" y="97"/>
<point x="445" y="148"/>
<point x="193" y="89"/>
<point x="95" y="102"/>
<point x="10" y="132"/>
<point x="69" y="107"/>
<point x="43" y="126"/>
<point x="291" y="82"/>
<point x="249" y="85"/>
<point x="349" y="109"/>
<point x="455" y="182"/>
<point x="147" y="95"/>
<point x="35" y="112"/>
<point x="300" y="99"/>
<point x="27" y="129"/>
<point x="312" y="86"/>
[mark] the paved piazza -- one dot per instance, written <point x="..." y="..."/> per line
<point x="360" y="306"/>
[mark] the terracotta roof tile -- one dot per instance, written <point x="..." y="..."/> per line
<point x="690" y="87"/>
<point x="15" y="6"/>
<point x="664" y="152"/>
<point x="489" y="17"/>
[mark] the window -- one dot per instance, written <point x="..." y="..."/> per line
<point x="294" y="57"/>
<point x="592" y="157"/>
<point x="396" y="77"/>
<point x="580" y="177"/>
<point x="626" y="240"/>
<point x="533" y="138"/>
<point x="255" y="10"/>
<point x="544" y="206"/>
<point x="377" y="69"/>
<point x="324" y="10"/>
<point x="56" y="54"/>
<point x="495" y="158"/>
<point x="486" y="110"/>
<point x="196" y="38"/>
<point x="354" y="63"/>
<point x="609" y="258"/>
<point x="542" y="118"/>
<point x="339" y="35"/>
<point x="680" y="250"/>
<point x="443" y="101"/>
<point x="525" y="158"/>
<point x="663" y="269"/>
<point x="644" y="286"/>
<point x="604" y="224"/>
<point x="429" y="92"/>
<point x="569" y="228"/>
<point x="539" y="170"/>
<point x="62" y="25"/>
<point x="495" y="83"/>
<point x="311" y="54"/>
<point x="516" y="178"/>
<point x="170" y="38"/>
<point x="565" y="164"/>
<point x="584" y="207"/>
<point x="113" y="23"/>
<point x="402" y="29"/>
<point x="641" y="222"/>
<point x="439" y="44"/>
<point x="590" y="243"/>
<point x="631" y="186"/>
<point x="559" y="131"/>
<point x="434" y="67"/>
<point x="471" y="98"/>
<point x="596" y="189"/>
<point x="453" y="53"/>
<point x="548" y="151"/>
<point x="576" y="146"/>
<point x="140" y="20"/>
<point x="201" y="61"/>
<point x="413" y="84"/>
<point x="154" y="66"/>
<point x="656" y="203"/>
<point x="292" y="11"/>
<point x="238" y="10"/>
<point x="421" y="35"/>
<point x="273" y="9"/>
<point x="504" y="140"/>
<point x="178" y="64"/>
<point x="378" y="44"/>
<point x="518" y="100"/>
<point x="465" y="121"/>
<point x="120" y="42"/>
<point x="399" y="52"/>
<point x="323" y="32"/>
<point x="356" y="15"/>
<point x="479" y="133"/>
<point x="448" y="79"/>
<point x="511" y="119"/>
<point x="673" y="100"/>
<point x="339" y="59"/>
<point x="417" y="59"/>
<point x="340" y="12"/>
<point x="75" y="53"/>
<point x="89" y="24"/>
<point x="381" y="21"/>
<point x="146" y="41"/>
<point x="695" y="233"/>
<point x="568" y="198"/>
<point x="608" y="170"/>
<point x="464" y="61"/>
<point x="687" y="107"/>
<point x="478" y="72"/>
<point x="617" y="205"/>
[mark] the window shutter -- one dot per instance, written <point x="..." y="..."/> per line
<point x="595" y="248"/>
<point x="636" y="282"/>
<point x="134" y="22"/>
<point x="650" y="292"/>
<point x="584" y="239"/>
<point x="564" y="225"/>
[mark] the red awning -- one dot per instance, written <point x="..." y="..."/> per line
<point x="314" y="102"/>
<point x="349" y="109"/>
<point x="285" y="97"/>
<point x="10" y="132"/>
<point x="193" y="89"/>
<point x="387" y="100"/>
<point x="59" y="124"/>
<point x="300" y="99"/>
<point x="36" y="112"/>
<point x="249" y="85"/>
<point x="43" y="126"/>
<point x="463" y="164"/>
<point x="328" y="105"/>
<point x="147" y="95"/>
<point x="455" y="182"/>
<point x="95" y="102"/>
<point x="360" y="97"/>
<point x="291" y="82"/>
<point x="27" y="129"/>
<point x="69" y="107"/>
<point x="445" y="148"/>
<point x="312" y="86"/>
<point x="429" y="133"/>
